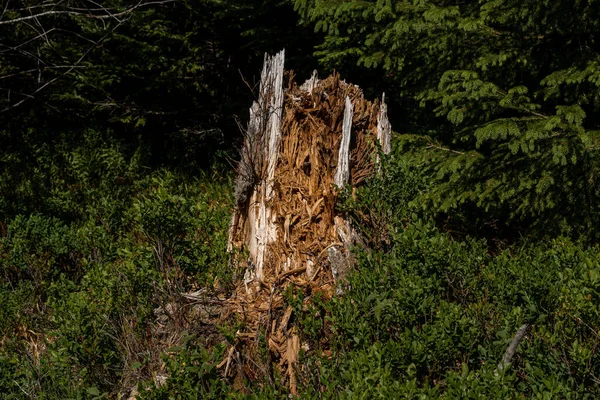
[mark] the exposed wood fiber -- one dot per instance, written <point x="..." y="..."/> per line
<point x="288" y="221"/>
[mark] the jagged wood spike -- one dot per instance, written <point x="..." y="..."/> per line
<point x="271" y="102"/>
<point x="384" y="129"/>
<point x="340" y="264"/>
<point x="342" y="173"/>
<point x="310" y="83"/>
<point x="256" y="170"/>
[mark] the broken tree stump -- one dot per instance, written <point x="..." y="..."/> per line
<point x="303" y="145"/>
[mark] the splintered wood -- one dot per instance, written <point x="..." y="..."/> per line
<point x="307" y="142"/>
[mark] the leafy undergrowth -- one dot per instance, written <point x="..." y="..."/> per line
<point x="91" y="274"/>
<point x="434" y="317"/>
<point x="428" y="316"/>
<point x="90" y="303"/>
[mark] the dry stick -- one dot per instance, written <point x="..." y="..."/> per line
<point x="314" y="275"/>
<point x="292" y="272"/>
<point x="264" y="371"/>
<point x="240" y="367"/>
<point x="269" y="371"/>
<point x="512" y="348"/>
<point x="227" y="360"/>
<point x="293" y="346"/>
<point x="327" y="248"/>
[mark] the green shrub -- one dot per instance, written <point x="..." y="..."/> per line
<point x="436" y="315"/>
<point x="78" y="292"/>
<point x="37" y="248"/>
<point x="387" y="200"/>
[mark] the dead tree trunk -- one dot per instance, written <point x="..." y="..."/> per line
<point x="273" y="153"/>
<point x="302" y="146"/>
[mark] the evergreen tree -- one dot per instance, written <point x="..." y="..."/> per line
<point x="516" y="89"/>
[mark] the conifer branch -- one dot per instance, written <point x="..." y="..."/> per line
<point x="432" y="145"/>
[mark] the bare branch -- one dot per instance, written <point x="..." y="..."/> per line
<point x="44" y="14"/>
<point x="512" y="348"/>
<point x="5" y="8"/>
<point x="88" y="13"/>
<point x="71" y="68"/>
<point x="14" y="48"/>
<point x="18" y="73"/>
<point x="95" y="11"/>
<point x="437" y="147"/>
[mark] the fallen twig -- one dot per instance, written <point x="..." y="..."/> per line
<point x="512" y="348"/>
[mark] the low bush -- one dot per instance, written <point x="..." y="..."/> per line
<point x="434" y="316"/>
<point x="424" y="314"/>
<point x="84" y="268"/>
